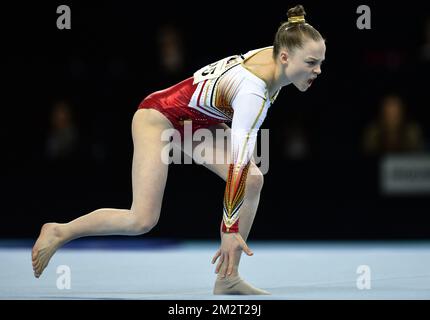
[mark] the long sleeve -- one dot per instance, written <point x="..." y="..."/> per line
<point x="250" y="110"/>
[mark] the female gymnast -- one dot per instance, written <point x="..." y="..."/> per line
<point x="238" y="89"/>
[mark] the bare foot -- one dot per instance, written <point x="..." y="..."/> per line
<point x="48" y="242"/>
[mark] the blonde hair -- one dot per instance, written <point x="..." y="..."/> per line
<point x="293" y="33"/>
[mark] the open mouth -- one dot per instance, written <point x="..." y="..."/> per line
<point x="310" y="81"/>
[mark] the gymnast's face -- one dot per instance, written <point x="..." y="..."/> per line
<point x="303" y="65"/>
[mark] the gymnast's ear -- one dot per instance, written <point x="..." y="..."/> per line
<point x="283" y="56"/>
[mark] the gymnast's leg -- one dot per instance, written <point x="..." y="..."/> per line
<point x="233" y="284"/>
<point x="149" y="176"/>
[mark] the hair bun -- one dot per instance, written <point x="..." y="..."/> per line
<point x="296" y="14"/>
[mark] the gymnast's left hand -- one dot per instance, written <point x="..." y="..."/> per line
<point x="230" y="244"/>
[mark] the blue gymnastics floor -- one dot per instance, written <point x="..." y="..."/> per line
<point x="171" y="270"/>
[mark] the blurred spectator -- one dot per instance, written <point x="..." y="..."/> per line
<point x="392" y="132"/>
<point x="296" y="146"/>
<point x="425" y="46"/>
<point x="171" y="53"/>
<point x="62" y="140"/>
<point x="102" y="135"/>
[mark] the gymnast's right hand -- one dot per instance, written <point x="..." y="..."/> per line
<point x="230" y="244"/>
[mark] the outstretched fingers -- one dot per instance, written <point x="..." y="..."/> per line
<point x="218" y="267"/>
<point x="216" y="256"/>
<point x="243" y="245"/>
<point x="226" y="260"/>
<point x="230" y="264"/>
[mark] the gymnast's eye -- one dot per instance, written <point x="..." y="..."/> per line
<point x="311" y="63"/>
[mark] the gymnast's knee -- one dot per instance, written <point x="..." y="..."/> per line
<point x="141" y="224"/>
